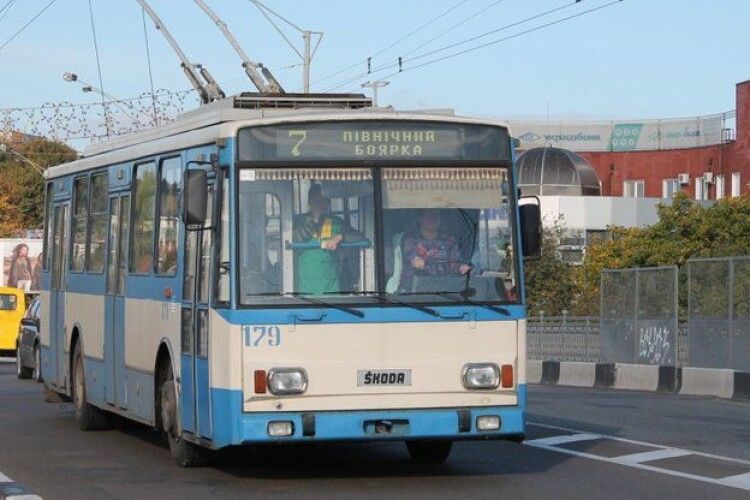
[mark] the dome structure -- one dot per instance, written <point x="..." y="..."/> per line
<point x="556" y="172"/>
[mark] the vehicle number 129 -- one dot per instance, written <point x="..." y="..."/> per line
<point x="262" y="335"/>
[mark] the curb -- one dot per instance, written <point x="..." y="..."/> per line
<point x="717" y="382"/>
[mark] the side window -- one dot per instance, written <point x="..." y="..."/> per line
<point x="47" y="226"/>
<point x="80" y="217"/>
<point x="144" y="211"/>
<point x="169" y="214"/>
<point x="223" y="280"/>
<point x="96" y="250"/>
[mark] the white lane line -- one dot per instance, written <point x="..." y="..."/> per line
<point x="5" y="479"/>
<point x="647" y="456"/>
<point x="741" y="481"/>
<point x="557" y="440"/>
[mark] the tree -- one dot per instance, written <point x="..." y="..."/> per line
<point x="22" y="188"/>
<point x="550" y="283"/>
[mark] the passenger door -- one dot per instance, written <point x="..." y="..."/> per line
<point x="196" y="290"/>
<point x="114" y="306"/>
<point x="55" y="372"/>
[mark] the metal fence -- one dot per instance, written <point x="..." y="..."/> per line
<point x="719" y="312"/>
<point x="639" y="315"/>
<point x="577" y="338"/>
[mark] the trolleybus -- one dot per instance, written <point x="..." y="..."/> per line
<point x="290" y="269"/>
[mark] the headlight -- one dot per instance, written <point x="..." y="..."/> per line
<point x="287" y="381"/>
<point x="481" y="376"/>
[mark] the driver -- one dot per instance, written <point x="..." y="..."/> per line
<point x="431" y="251"/>
<point x="318" y="268"/>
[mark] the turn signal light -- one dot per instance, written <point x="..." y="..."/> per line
<point x="261" y="382"/>
<point x="506" y="375"/>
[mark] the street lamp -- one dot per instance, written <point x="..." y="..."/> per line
<point x="87" y="87"/>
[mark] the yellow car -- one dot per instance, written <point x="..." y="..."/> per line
<point x="12" y="309"/>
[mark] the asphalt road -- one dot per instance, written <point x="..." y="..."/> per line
<point x="582" y="443"/>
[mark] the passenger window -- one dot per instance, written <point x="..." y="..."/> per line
<point x="144" y="211"/>
<point x="96" y="250"/>
<point x="80" y="213"/>
<point x="169" y="199"/>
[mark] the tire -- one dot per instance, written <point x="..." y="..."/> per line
<point x="184" y="453"/>
<point x="36" y="373"/>
<point x="429" y="452"/>
<point x="22" y="372"/>
<point x="90" y="418"/>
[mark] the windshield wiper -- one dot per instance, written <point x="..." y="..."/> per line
<point x="298" y="295"/>
<point x="388" y="297"/>
<point x="466" y="300"/>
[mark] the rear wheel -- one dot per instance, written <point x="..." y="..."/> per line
<point x="37" y="372"/>
<point x="21" y="371"/>
<point x="90" y="418"/>
<point x="184" y="453"/>
<point x="429" y="452"/>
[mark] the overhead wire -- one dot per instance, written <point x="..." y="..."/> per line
<point x="6" y="8"/>
<point x="388" y="47"/>
<point x="28" y="23"/>
<point x="98" y="62"/>
<point x="148" y="61"/>
<point x="402" y="61"/>
<point x="503" y="39"/>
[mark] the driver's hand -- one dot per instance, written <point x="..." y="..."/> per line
<point x="331" y="243"/>
<point x="464" y="268"/>
<point x="417" y="262"/>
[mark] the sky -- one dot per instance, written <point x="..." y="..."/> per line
<point x="634" y="59"/>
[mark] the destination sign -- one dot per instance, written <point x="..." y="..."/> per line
<point x="373" y="140"/>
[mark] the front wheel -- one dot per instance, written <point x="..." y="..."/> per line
<point x="184" y="453"/>
<point x="22" y="372"/>
<point x="429" y="452"/>
<point x="37" y="372"/>
<point x="90" y="418"/>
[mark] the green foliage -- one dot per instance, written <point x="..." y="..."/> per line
<point x="550" y="283"/>
<point x="685" y="229"/>
<point x="22" y="188"/>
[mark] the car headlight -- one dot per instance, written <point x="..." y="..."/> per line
<point x="481" y="376"/>
<point x="283" y="381"/>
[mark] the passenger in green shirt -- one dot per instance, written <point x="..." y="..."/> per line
<point x="318" y="268"/>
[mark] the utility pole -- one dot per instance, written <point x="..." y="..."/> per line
<point x="375" y="85"/>
<point x="308" y="52"/>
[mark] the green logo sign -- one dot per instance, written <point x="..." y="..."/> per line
<point x="625" y="136"/>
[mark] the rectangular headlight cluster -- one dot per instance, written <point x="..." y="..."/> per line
<point x="283" y="381"/>
<point x="481" y="376"/>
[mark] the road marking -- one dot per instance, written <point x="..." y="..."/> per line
<point x="564" y="439"/>
<point x="639" y="460"/>
<point x="9" y="490"/>
<point x="647" y="456"/>
<point x="5" y="479"/>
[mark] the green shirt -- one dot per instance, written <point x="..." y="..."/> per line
<point x="317" y="268"/>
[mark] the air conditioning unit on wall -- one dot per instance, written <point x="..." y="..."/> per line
<point x="683" y="179"/>
<point x="708" y="177"/>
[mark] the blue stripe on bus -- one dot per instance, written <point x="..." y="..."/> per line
<point x="312" y="316"/>
<point x="232" y="426"/>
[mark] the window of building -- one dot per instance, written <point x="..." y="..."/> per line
<point x="720" y="186"/>
<point x="80" y="217"/>
<point x="700" y="189"/>
<point x="47" y="226"/>
<point x="96" y="250"/>
<point x="169" y="215"/>
<point x="144" y="211"/>
<point x="670" y="187"/>
<point x="736" y="185"/>
<point x="634" y="189"/>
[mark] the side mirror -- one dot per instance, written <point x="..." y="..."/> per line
<point x="531" y="226"/>
<point x="196" y="198"/>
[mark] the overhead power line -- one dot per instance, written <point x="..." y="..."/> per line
<point x="401" y="61"/>
<point x="499" y="40"/>
<point x="6" y="8"/>
<point x="28" y="23"/>
<point x="388" y="47"/>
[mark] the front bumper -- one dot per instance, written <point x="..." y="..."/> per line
<point x="365" y="425"/>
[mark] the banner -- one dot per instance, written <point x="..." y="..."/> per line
<point x="636" y="135"/>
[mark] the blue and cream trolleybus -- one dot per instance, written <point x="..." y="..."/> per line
<point x="292" y="269"/>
